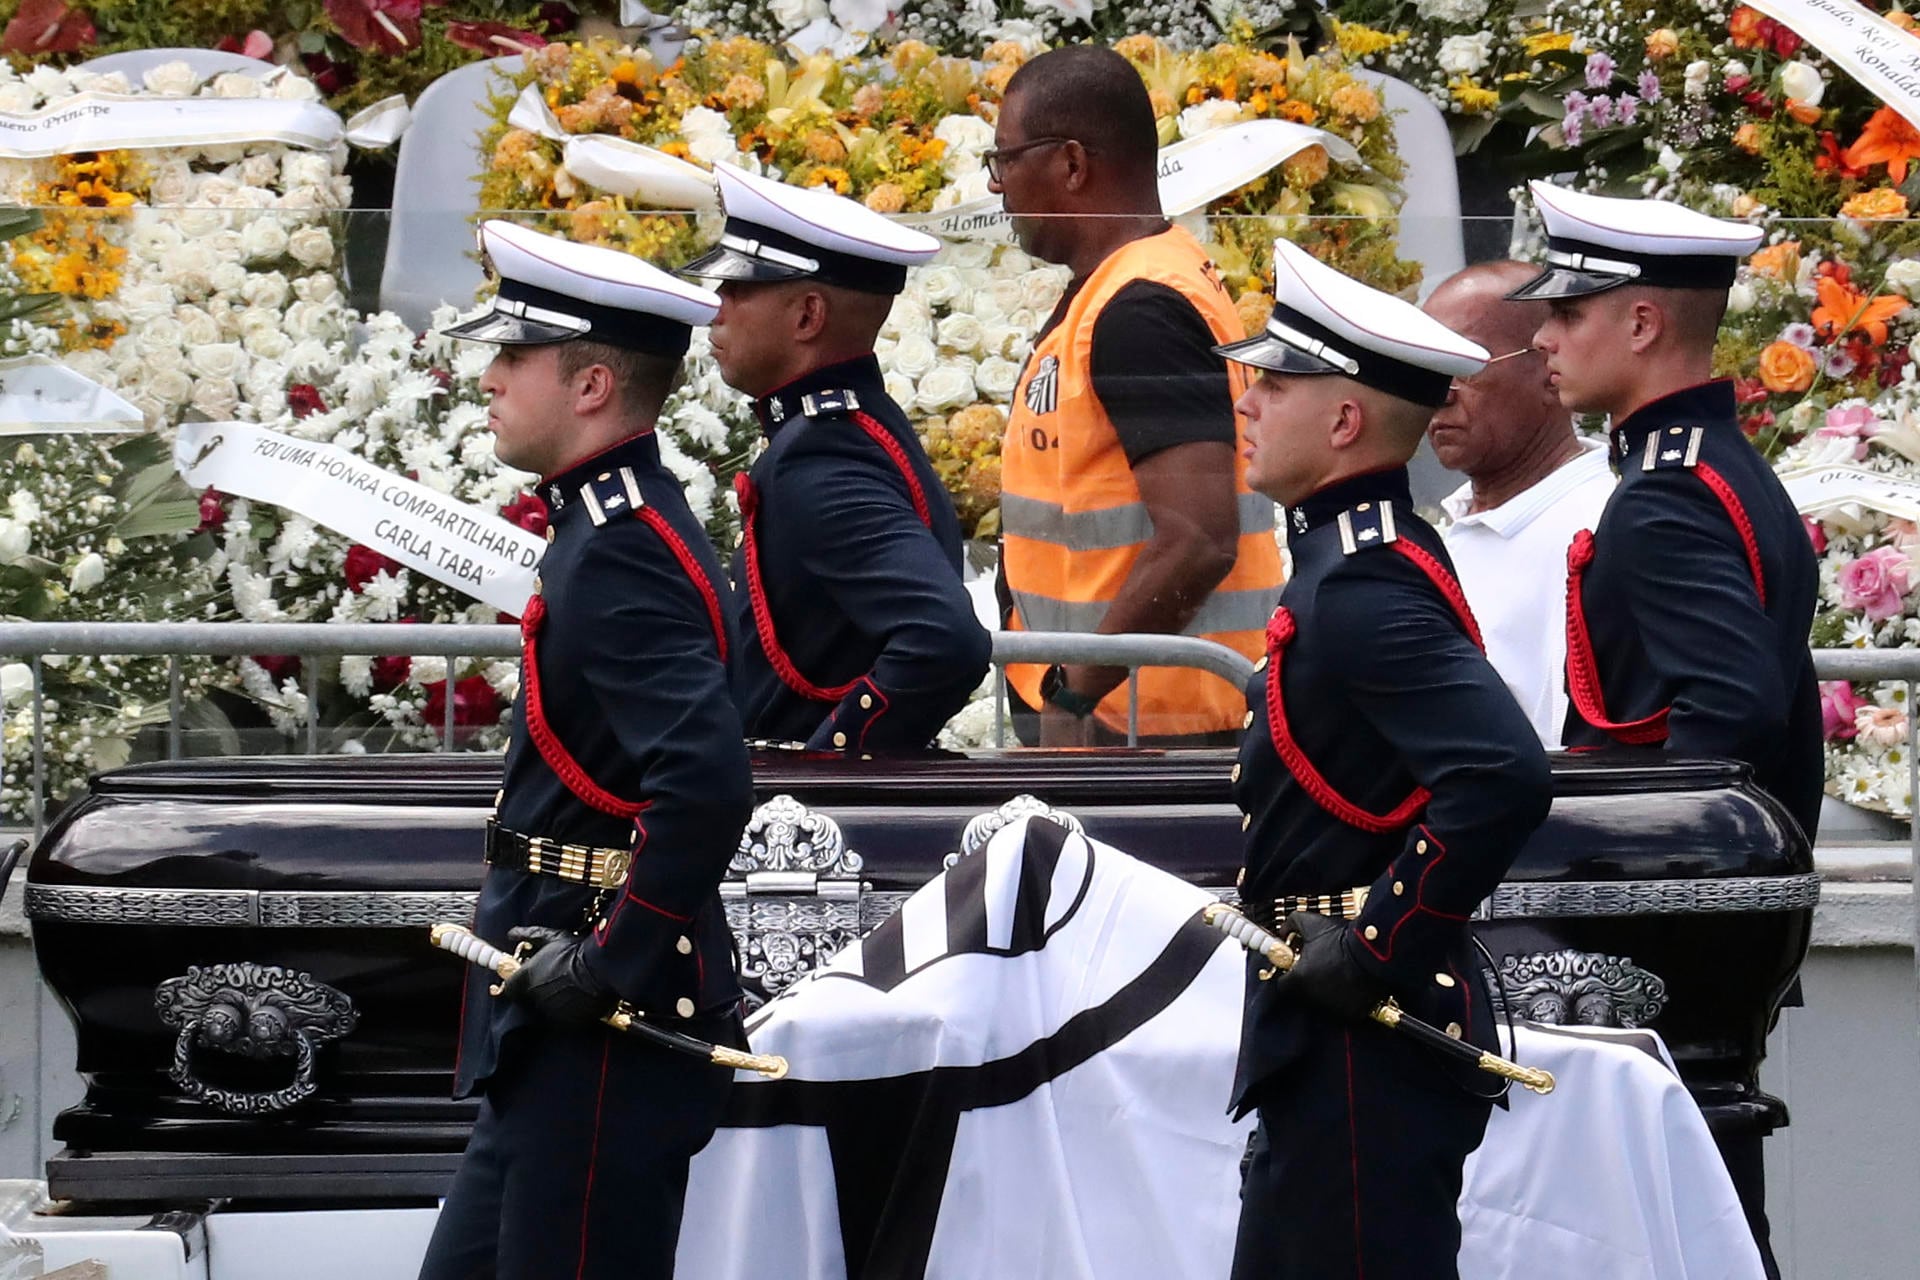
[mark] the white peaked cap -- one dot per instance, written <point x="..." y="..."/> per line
<point x="1325" y="322"/>
<point x="1596" y="243"/>
<point x="780" y="232"/>
<point x="554" y="290"/>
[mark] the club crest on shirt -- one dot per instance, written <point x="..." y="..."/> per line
<point x="1043" y="389"/>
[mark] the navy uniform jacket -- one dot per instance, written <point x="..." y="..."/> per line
<point x="862" y="638"/>
<point x="1382" y="691"/>
<point x="632" y="684"/>
<point x="1670" y="601"/>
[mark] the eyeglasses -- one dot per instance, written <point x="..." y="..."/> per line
<point x="994" y="155"/>
<point x="1453" y="388"/>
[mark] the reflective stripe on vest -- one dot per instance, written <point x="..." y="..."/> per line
<point x="1071" y="513"/>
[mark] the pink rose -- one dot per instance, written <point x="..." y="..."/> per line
<point x="1854" y="420"/>
<point x="1880" y="726"/>
<point x="1838" y="707"/>
<point x="1876" y="583"/>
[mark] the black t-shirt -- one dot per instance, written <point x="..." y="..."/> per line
<point x="1155" y="372"/>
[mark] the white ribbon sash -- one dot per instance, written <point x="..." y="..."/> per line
<point x="1815" y="490"/>
<point x="117" y="122"/>
<point x="450" y="541"/>
<point x="1865" y="45"/>
<point x="40" y="396"/>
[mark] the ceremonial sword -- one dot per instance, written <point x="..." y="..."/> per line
<point x="1388" y="1014"/>
<point x="474" y="949"/>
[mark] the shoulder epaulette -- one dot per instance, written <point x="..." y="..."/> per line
<point x="1672" y="447"/>
<point x="612" y="493"/>
<point x="821" y="404"/>
<point x="1368" y="525"/>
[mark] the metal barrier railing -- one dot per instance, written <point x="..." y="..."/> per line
<point x="36" y="641"/>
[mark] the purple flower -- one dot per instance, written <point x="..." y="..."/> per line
<point x="1599" y="70"/>
<point x="1600" y="111"/>
<point x="1838" y="364"/>
<point x="1629" y="107"/>
<point x="1572" y="128"/>
<point x="1800" y="335"/>
<point x="1576" y="102"/>
<point x="1649" y="87"/>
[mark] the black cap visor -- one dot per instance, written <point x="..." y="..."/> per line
<point x="507" y="330"/>
<point x="1564" y="282"/>
<point x="1275" y="356"/>
<point x="723" y="263"/>
<point x="1577" y="268"/>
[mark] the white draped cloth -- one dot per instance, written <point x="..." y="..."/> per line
<point x="1024" y="1073"/>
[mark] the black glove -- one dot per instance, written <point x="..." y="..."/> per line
<point x="555" y="979"/>
<point x="1326" y="972"/>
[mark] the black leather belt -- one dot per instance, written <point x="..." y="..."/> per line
<point x="1272" y="915"/>
<point x="542" y="856"/>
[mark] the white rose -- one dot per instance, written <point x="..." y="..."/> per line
<point x="196" y="327"/>
<point x="270" y="344"/>
<point x="216" y="397"/>
<point x="311" y="247"/>
<point x="1013" y="261"/>
<point x="16" y="536"/>
<point x="1028" y="35"/>
<point x="310" y="359"/>
<point x="915" y="357"/>
<point x="229" y="278"/>
<point x="1040" y="290"/>
<point x="49" y="82"/>
<point x="1696" y="78"/>
<point x="969" y="255"/>
<point x="1002" y="339"/>
<point x="1740" y="299"/>
<point x="308" y="320"/>
<point x="264" y="289"/>
<point x="909" y="317"/>
<point x="1731" y="67"/>
<point x="17" y="99"/>
<point x="322" y="287"/>
<point x="172" y="79"/>
<point x="1903" y="275"/>
<point x="214" y="191"/>
<point x="899" y="388"/>
<point x="89" y="573"/>
<point x="795" y="14"/>
<point x="144" y="302"/>
<point x="172" y="183"/>
<point x="170" y="386"/>
<point x="1465" y="55"/>
<point x="960" y="332"/>
<point x="1204" y="117"/>
<point x="306" y="169"/>
<point x="161" y="333"/>
<point x="193" y="223"/>
<point x="261" y="170"/>
<point x="942" y="286"/>
<point x="16" y="683"/>
<point x="996" y="378"/>
<point x="1802" y="83"/>
<point x="159" y="360"/>
<point x="153" y="240"/>
<point x="218" y="360"/>
<point x="292" y="88"/>
<point x="948" y="386"/>
<point x="235" y="85"/>
<point x="190" y="270"/>
<point x="263" y="239"/>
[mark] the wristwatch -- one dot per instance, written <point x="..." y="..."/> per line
<point x="1054" y="691"/>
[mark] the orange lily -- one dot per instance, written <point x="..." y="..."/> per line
<point x="1888" y="139"/>
<point x="1843" y="310"/>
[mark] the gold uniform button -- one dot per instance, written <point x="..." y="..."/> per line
<point x="839" y="739"/>
<point x="549" y="533"/>
<point x="1262" y="664"/>
<point x="1232" y="777"/>
<point x="1240" y="877"/>
<point x="1398" y="888"/>
<point x="606" y="475"/>
<point x="1444" y="979"/>
<point x="683" y="1007"/>
<point x="684" y="946"/>
<point x="1369" y="933"/>
<point x="866" y="702"/>
<point x="1365" y="506"/>
<point x="1453" y="1029"/>
<point x="1420" y="847"/>
<point x="1248" y="722"/>
<point x="1246" y="820"/>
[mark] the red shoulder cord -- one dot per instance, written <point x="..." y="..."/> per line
<point x="1280" y="632"/>
<point x="1583" y="671"/>
<point x="548" y="743"/>
<point x="783" y="664"/>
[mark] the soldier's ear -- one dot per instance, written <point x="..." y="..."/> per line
<point x="1647" y="323"/>
<point x="810" y="321"/>
<point x="1349" y="423"/>
<point x="594" y="388"/>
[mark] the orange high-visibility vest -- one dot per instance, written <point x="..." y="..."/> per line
<point x="1071" y="516"/>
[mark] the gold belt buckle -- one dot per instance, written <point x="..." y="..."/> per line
<point x="614" y="865"/>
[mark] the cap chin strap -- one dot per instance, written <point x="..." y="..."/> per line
<point x="767" y="253"/>
<point x="542" y="315"/>
<point x="1588" y="262"/>
<point x="1314" y="347"/>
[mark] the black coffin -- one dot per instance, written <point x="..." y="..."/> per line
<point x="242" y="943"/>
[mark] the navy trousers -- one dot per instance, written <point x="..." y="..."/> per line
<point x="577" y="1167"/>
<point x="1355" y="1168"/>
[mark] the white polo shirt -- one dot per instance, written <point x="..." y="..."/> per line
<point x="1512" y="563"/>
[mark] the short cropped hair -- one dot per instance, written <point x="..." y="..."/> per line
<point x="1094" y="96"/>
<point x="641" y="379"/>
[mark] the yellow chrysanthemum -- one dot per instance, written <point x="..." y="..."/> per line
<point x="1472" y="96"/>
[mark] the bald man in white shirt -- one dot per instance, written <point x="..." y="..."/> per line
<point x="1532" y="483"/>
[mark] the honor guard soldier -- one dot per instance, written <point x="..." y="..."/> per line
<point x="1689" y="604"/>
<point x="626" y="791"/>
<point x="857" y="634"/>
<point x="1388" y="780"/>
